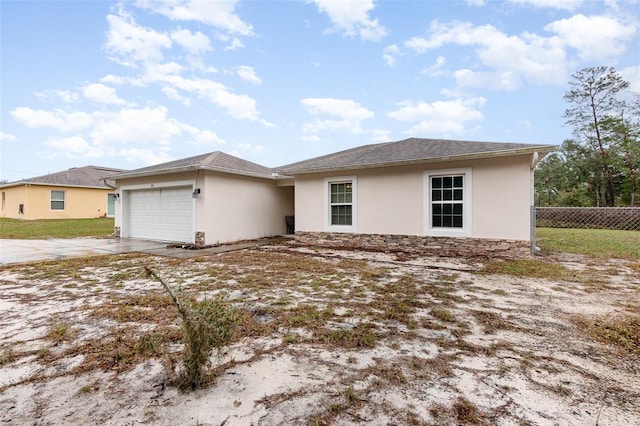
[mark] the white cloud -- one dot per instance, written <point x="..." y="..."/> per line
<point x="58" y="119"/>
<point x="73" y="147"/>
<point x="204" y="137"/>
<point x="247" y="73"/>
<point x="475" y="2"/>
<point x="352" y="18"/>
<point x="112" y="79"/>
<point x="344" y="115"/>
<point x="67" y="96"/>
<point x="147" y="156"/>
<point x="346" y="109"/>
<point x="135" y="125"/>
<point x="507" y="61"/>
<point x="528" y="56"/>
<point x="129" y="43"/>
<point x="556" y="4"/>
<point x="439" y="117"/>
<point x="238" y="106"/>
<point x="219" y="13"/>
<point x="6" y="137"/>
<point x="596" y="38"/>
<point x="195" y="43"/>
<point x="390" y="53"/>
<point x="102" y="94"/>
<point x="435" y="70"/>
<point x="235" y="44"/>
<point x="632" y="75"/>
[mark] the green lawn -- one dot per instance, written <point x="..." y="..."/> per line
<point x="55" y="228"/>
<point x="602" y="243"/>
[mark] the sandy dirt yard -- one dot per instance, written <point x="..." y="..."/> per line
<point x="324" y="337"/>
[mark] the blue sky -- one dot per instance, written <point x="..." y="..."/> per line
<point x="129" y="84"/>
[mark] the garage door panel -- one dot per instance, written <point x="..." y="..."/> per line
<point x="164" y="214"/>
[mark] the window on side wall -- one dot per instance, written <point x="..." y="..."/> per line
<point x="448" y="202"/>
<point x="58" y="200"/>
<point x="340" y="196"/>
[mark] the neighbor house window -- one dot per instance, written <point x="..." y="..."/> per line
<point x="341" y="203"/>
<point x="4" y="200"/>
<point x="448" y="202"/>
<point x="57" y="200"/>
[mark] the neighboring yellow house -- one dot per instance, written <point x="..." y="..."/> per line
<point x="76" y="193"/>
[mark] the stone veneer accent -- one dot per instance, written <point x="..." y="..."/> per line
<point x="116" y="232"/>
<point x="440" y="246"/>
<point x="199" y="238"/>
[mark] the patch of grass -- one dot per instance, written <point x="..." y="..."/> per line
<point x="444" y="315"/>
<point x="535" y="268"/>
<point x="362" y="336"/>
<point x="600" y="243"/>
<point x="59" y="331"/>
<point x="55" y="228"/>
<point x="491" y="321"/>
<point x="466" y="412"/>
<point x="7" y="357"/>
<point x="622" y="332"/>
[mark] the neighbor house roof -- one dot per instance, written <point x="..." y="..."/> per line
<point x="408" y="151"/>
<point x="86" y="177"/>
<point x="214" y="161"/>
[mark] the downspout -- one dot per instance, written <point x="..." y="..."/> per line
<point x="535" y="159"/>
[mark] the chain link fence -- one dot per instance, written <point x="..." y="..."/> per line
<point x="624" y="218"/>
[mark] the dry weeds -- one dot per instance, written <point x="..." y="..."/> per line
<point x="324" y="337"/>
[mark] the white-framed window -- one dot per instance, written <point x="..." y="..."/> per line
<point x="340" y="204"/>
<point x="58" y="200"/>
<point x="448" y="202"/>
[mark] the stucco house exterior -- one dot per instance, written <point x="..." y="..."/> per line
<point x="424" y="195"/>
<point x="77" y="193"/>
<point x="204" y="200"/>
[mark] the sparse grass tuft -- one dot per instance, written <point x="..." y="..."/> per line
<point x="466" y="412"/>
<point x="622" y="332"/>
<point x="58" y="332"/>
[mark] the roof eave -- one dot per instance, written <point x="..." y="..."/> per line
<point x="449" y="158"/>
<point x="65" y="185"/>
<point x="133" y="175"/>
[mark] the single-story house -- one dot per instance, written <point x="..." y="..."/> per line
<point x="207" y="199"/>
<point x="426" y="195"/>
<point x="77" y="193"/>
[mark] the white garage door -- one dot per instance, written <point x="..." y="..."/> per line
<point x="164" y="214"/>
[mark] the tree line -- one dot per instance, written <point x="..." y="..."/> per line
<point x="600" y="164"/>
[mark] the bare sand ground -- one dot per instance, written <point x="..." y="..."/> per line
<point x="326" y="337"/>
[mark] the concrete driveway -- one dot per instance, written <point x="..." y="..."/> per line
<point x="25" y="251"/>
<point x="22" y="251"/>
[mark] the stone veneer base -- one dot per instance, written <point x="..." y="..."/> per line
<point x="116" y="232"/>
<point x="414" y="244"/>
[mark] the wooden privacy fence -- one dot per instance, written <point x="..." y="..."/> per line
<point x="625" y="218"/>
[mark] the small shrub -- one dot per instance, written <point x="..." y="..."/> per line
<point x="206" y="325"/>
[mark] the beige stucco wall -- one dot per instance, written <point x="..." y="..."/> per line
<point x="79" y="202"/>
<point x="239" y="208"/>
<point x="229" y="208"/>
<point x="391" y="200"/>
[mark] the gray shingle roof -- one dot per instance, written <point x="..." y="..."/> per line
<point x="407" y="151"/>
<point x="217" y="161"/>
<point x="87" y="176"/>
